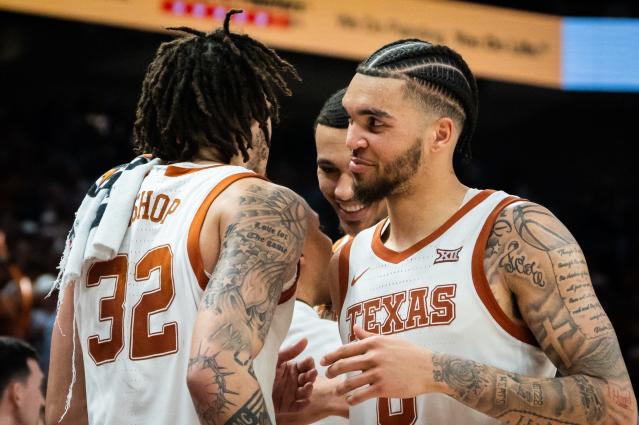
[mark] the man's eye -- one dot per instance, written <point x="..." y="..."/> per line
<point x="374" y="122"/>
<point x="328" y="170"/>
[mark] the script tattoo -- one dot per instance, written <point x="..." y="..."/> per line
<point x="513" y="263"/>
<point x="532" y="255"/>
<point x="259" y="253"/>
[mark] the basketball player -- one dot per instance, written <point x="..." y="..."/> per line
<point x="334" y="177"/>
<point x="460" y="307"/>
<point x="206" y="230"/>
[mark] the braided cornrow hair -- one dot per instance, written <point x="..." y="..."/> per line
<point x="333" y="113"/>
<point x="439" y="77"/>
<point x="206" y="89"/>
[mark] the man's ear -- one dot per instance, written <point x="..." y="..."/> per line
<point x="442" y="129"/>
<point x="16" y="392"/>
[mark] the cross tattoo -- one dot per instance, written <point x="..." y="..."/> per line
<point x="552" y="340"/>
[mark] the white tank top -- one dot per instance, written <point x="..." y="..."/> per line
<point x="435" y="295"/>
<point x="135" y="314"/>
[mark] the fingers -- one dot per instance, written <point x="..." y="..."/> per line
<point x="363" y="394"/>
<point x="361" y="333"/>
<point x="305" y="365"/>
<point x="351" y="364"/>
<point x="303" y="393"/>
<point x="355" y="382"/>
<point x="291" y="352"/>
<point x="345" y="351"/>
<point x="306" y="377"/>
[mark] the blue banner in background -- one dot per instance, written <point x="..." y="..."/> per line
<point x="600" y="54"/>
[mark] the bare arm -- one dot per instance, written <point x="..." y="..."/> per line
<point x="60" y="370"/>
<point x="541" y="264"/>
<point x="532" y="253"/>
<point x="262" y="240"/>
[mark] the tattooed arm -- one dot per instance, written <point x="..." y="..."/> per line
<point x="264" y="227"/>
<point x="534" y="257"/>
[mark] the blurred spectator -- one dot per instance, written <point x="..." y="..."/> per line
<point x="21" y="382"/>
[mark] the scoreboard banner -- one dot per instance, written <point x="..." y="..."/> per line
<point x="498" y="43"/>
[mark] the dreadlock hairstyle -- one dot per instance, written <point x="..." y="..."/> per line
<point x="437" y="76"/>
<point x="333" y="113"/>
<point x="206" y="89"/>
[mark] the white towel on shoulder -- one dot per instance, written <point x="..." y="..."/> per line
<point x="102" y="219"/>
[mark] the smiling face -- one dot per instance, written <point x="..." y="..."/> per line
<point x="389" y="135"/>
<point x="336" y="182"/>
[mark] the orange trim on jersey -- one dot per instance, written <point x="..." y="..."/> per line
<point x="395" y="257"/>
<point x="344" y="257"/>
<point x="193" y="242"/>
<point x="288" y="294"/>
<point x="341" y="242"/>
<point x="175" y="171"/>
<point x="482" y="286"/>
<point x="106" y="175"/>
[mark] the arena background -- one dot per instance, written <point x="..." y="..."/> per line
<point x="68" y="91"/>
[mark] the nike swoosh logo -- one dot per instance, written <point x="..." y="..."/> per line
<point x="356" y="278"/>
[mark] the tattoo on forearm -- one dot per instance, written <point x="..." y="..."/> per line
<point x="464" y="377"/>
<point x="219" y="390"/>
<point x="522" y="417"/>
<point x="252" y="413"/>
<point x="591" y="399"/>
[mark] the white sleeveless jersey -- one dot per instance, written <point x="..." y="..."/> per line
<point x="135" y="314"/>
<point x="435" y="295"/>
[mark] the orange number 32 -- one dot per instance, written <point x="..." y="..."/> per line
<point x="144" y="344"/>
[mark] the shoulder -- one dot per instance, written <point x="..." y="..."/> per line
<point x="532" y="225"/>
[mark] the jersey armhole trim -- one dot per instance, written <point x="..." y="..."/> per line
<point x="288" y="293"/>
<point x="343" y="271"/>
<point x="193" y="241"/>
<point x="177" y="171"/>
<point x="482" y="286"/>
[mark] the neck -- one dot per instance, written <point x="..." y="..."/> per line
<point x="307" y="295"/>
<point x="432" y="198"/>
<point x="7" y="415"/>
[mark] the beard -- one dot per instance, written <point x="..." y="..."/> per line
<point x="393" y="178"/>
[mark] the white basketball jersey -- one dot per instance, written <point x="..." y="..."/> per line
<point x="135" y="314"/>
<point x="435" y="295"/>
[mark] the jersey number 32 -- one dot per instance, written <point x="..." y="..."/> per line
<point x="144" y="344"/>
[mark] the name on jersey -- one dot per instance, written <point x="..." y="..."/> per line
<point x="152" y="207"/>
<point x="405" y="310"/>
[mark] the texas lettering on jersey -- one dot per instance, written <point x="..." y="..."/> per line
<point x="424" y="307"/>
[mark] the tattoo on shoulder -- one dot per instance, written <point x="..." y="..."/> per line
<point x="531" y="223"/>
<point x="259" y="252"/>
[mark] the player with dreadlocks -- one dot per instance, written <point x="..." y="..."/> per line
<point x="182" y="320"/>
<point x="462" y="305"/>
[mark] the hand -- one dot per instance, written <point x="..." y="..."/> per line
<point x="391" y="367"/>
<point x="293" y="383"/>
<point x="324" y="402"/>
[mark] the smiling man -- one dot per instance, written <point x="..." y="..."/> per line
<point x="334" y="177"/>
<point x="460" y="307"/>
